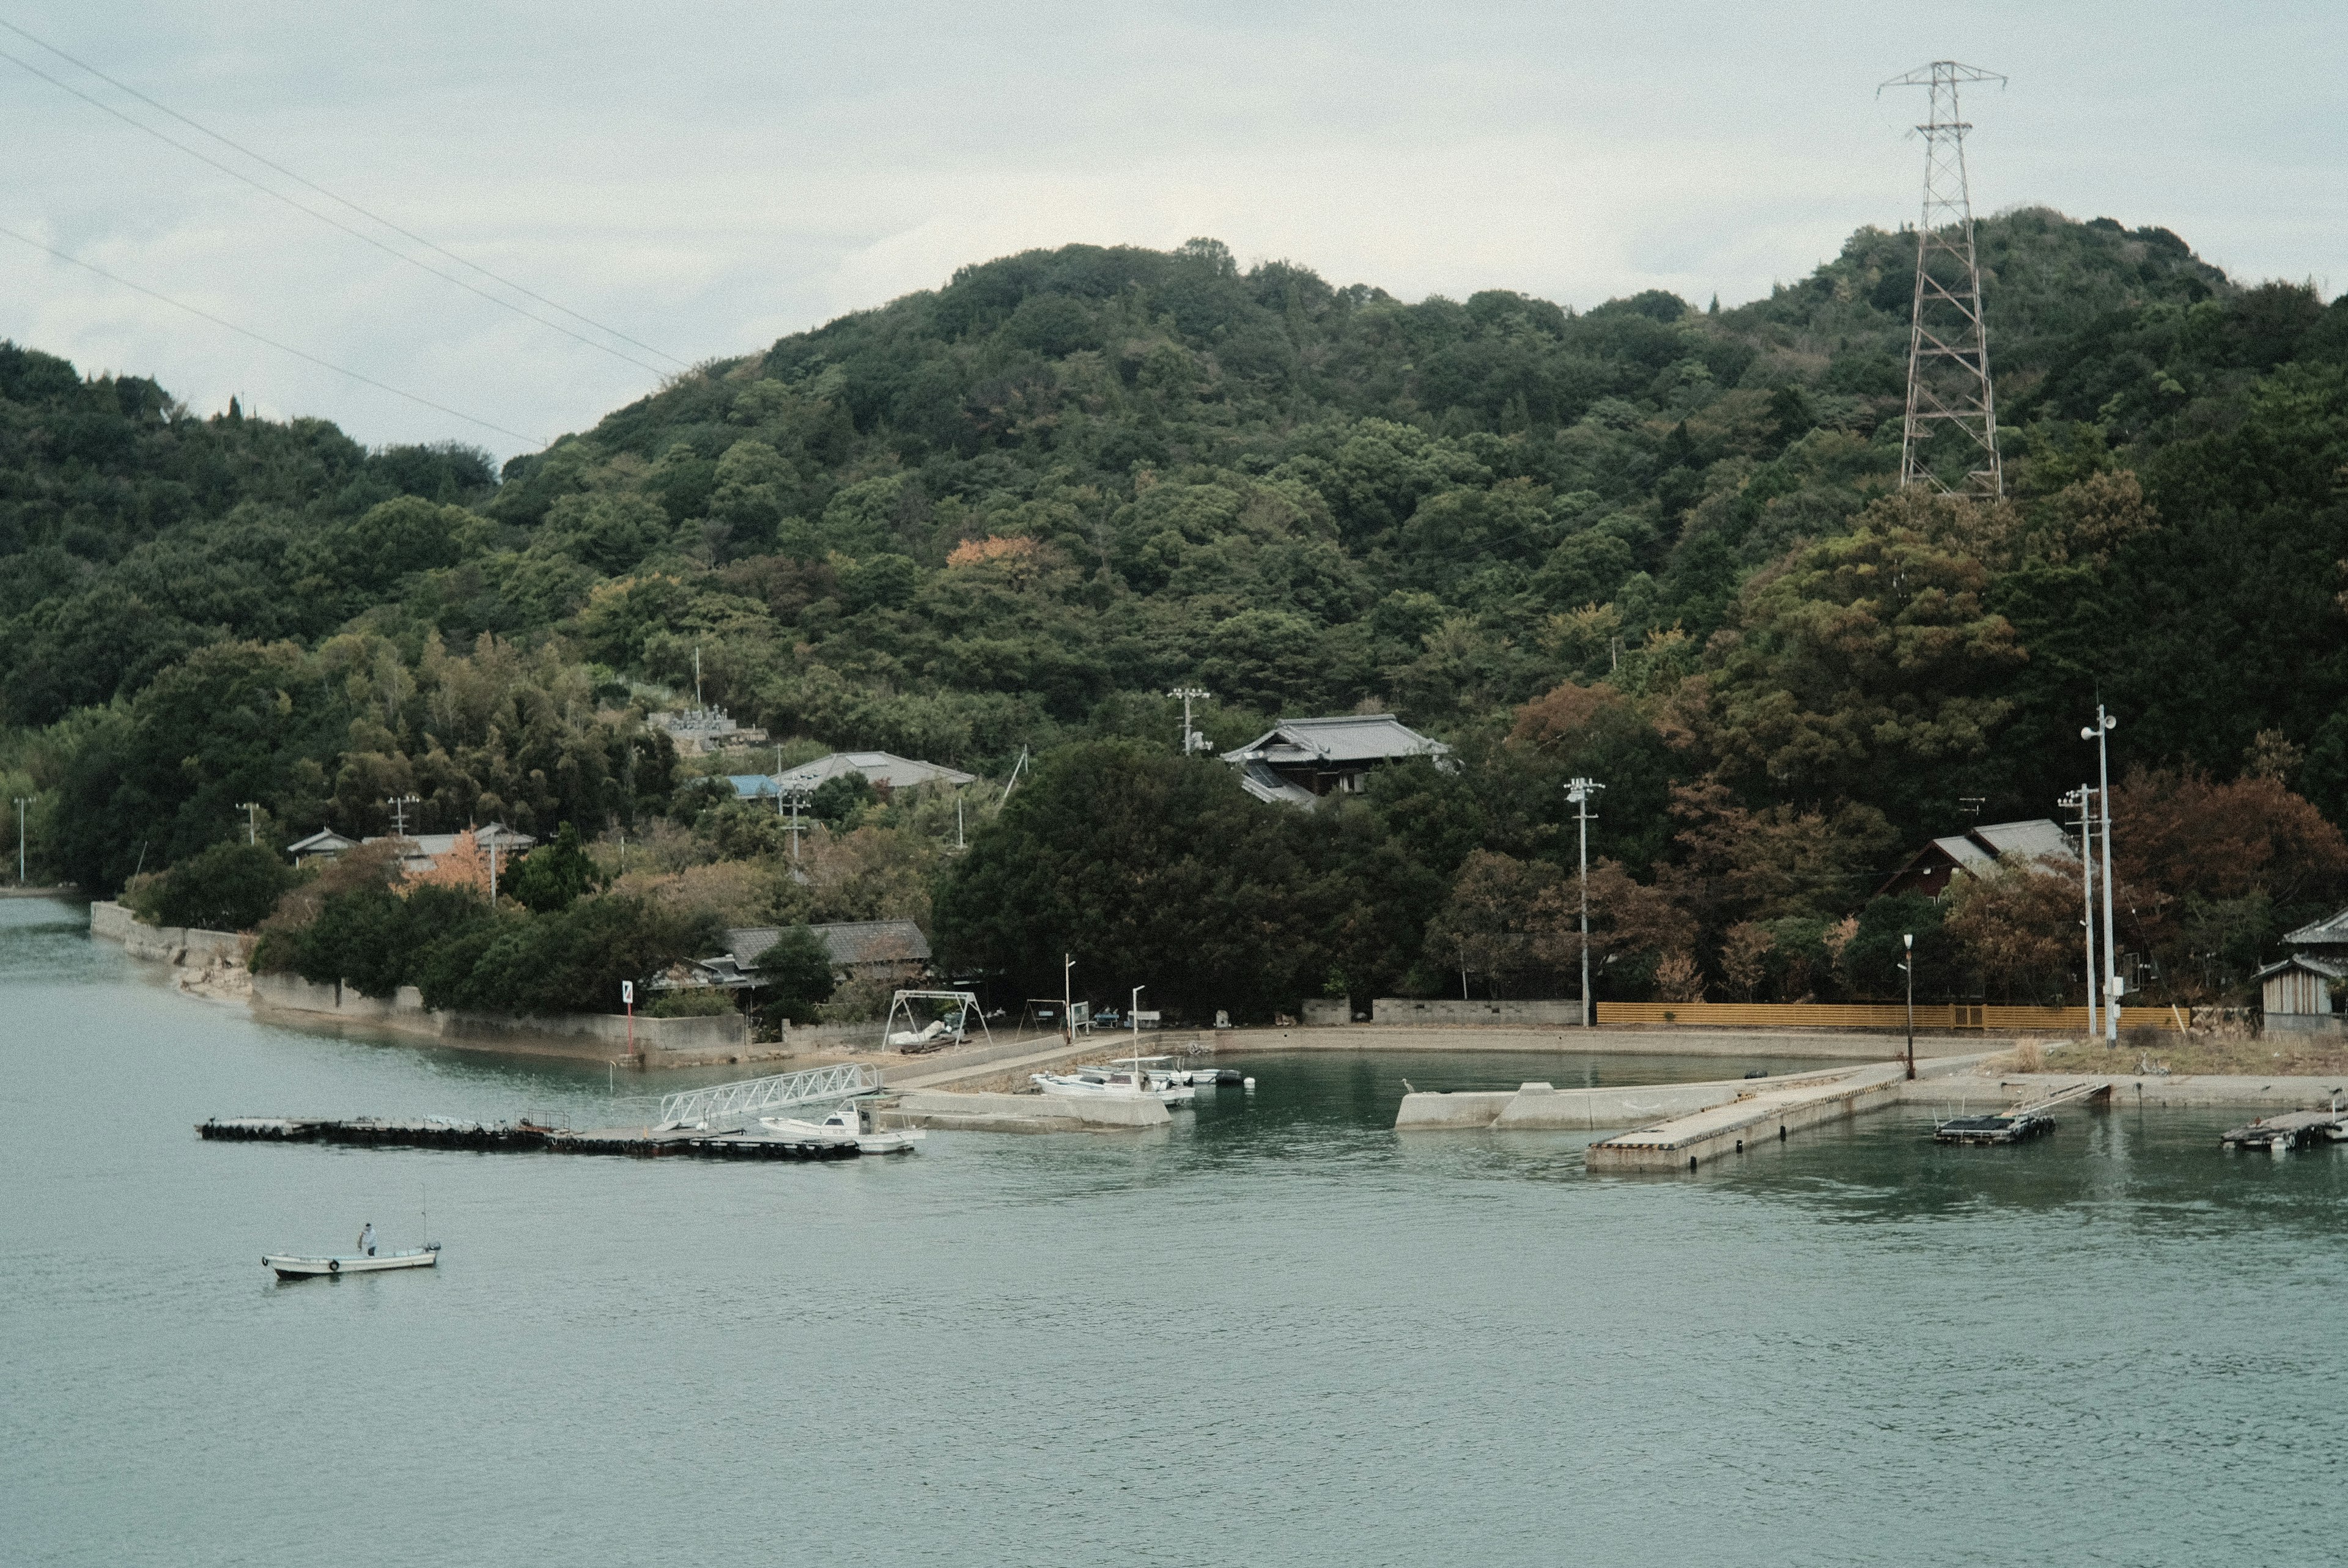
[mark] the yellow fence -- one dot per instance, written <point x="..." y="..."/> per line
<point x="1886" y="1017"/>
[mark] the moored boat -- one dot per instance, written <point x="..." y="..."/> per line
<point x="292" y="1266"/>
<point x="1155" y="1072"/>
<point x="850" y="1124"/>
<point x="1102" y="1083"/>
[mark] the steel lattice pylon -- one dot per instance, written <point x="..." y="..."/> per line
<point x="1949" y="386"/>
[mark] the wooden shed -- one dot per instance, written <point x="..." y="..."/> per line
<point x="2299" y="986"/>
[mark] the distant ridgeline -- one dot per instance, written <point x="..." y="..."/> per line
<point x="1649" y="542"/>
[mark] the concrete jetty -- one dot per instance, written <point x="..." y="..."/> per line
<point x="1766" y="1115"/>
<point x="1679" y="1126"/>
<point x="1541" y="1107"/>
<point x="1021" y="1112"/>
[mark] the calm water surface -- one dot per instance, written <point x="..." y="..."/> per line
<point x="1278" y="1334"/>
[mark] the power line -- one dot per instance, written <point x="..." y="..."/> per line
<point x="283" y="348"/>
<point x="324" y="218"/>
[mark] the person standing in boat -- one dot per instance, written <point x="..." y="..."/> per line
<point x="366" y="1238"/>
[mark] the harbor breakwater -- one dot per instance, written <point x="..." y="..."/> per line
<point x="1678" y="1127"/>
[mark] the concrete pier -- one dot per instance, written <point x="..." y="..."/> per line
<point x="1768" y="1116"/>
<point x="1539" y="1107"/>
<point x="1021" y="1112"/>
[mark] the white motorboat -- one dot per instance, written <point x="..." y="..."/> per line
<point x="850" y="1124"/>
<point x="1163" y="1071"/>
<point x="289" y="1267"/>
<point x="1156" y="1080"/>
<point x="1111" y="1083"/>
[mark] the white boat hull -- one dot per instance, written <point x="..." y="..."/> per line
<point x="1091" y="1086"/>
<point x="289" y="1267"/>
<point x="892" y="1140"/>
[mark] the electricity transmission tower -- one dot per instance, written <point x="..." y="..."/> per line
<point x="1950" y="398"/>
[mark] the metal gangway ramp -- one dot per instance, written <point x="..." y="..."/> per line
<point x="723" y="1106"/>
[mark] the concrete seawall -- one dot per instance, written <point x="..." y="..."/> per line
<point x="1448" y="1010"/>
<point x="1660" y="1040"/>
<point x="165" y="944"/>
<point x="593" y="1037"/>
<point x="208" y="960"/>
<point x="1021" y="1112"/>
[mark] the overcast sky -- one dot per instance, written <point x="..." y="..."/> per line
<point x="707" y="178"/>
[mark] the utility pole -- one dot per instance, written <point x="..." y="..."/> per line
<point x="1908" y="941"/>
<point x="778" y="781"/>
<point x="696" y="676"/>
<point x="2113" y="984"/>
<point x="1192" y="740"/>
<point x="1133" y="1019"/>
<point x="1949" y="385"/>
<point x="22" y="801"/>
<point x="2084" y="797"/>
<point x="399" y="805"/>
<point x="795" y="798"/>
<point x="1068" y="998"/>
<point x="251" y="823"/>
<point x="1579" y="791"/>
<point x="493" y="864"/>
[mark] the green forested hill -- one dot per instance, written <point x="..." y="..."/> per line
<point x="1650" y="540"/>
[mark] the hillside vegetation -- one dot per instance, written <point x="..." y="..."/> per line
<point x="1649" y="542"/>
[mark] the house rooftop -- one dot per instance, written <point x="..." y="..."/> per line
<point x="1351" y="738"/>
<point x="2042" y="839"/>
<point x="847" y="944"/>
<point x="1977" y="852"/>
<point x="2332" y="931"/>
<point x="2330" y="968"/>
<point x="880" y="767"/>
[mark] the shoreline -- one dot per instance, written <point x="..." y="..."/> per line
<point x="209" y="967"/>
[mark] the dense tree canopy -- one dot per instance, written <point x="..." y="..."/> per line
<point x="1646" y="543"/>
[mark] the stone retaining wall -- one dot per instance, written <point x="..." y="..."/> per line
<point x="165" y="944"/>
<point x="597" y="1037"/>
<point x="1451" y="1011"/>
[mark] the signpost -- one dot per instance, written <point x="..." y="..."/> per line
<point x="628" y="999"/>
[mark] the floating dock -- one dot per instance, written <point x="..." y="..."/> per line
<point x="2292" y="1130"/>
<point x="2023" y="1123"/>
<point x="519" y="1137"/>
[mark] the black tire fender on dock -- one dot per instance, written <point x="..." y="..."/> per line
<point x="334" y="1266"/>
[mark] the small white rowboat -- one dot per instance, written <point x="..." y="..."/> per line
<point x="290" y="1268"/>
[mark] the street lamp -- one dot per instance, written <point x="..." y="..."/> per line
<point x="1908" y="941"/>
<point x="2113" y="986"/>
<point x="22" y="801"/>
<point x="1578" y="791"/>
